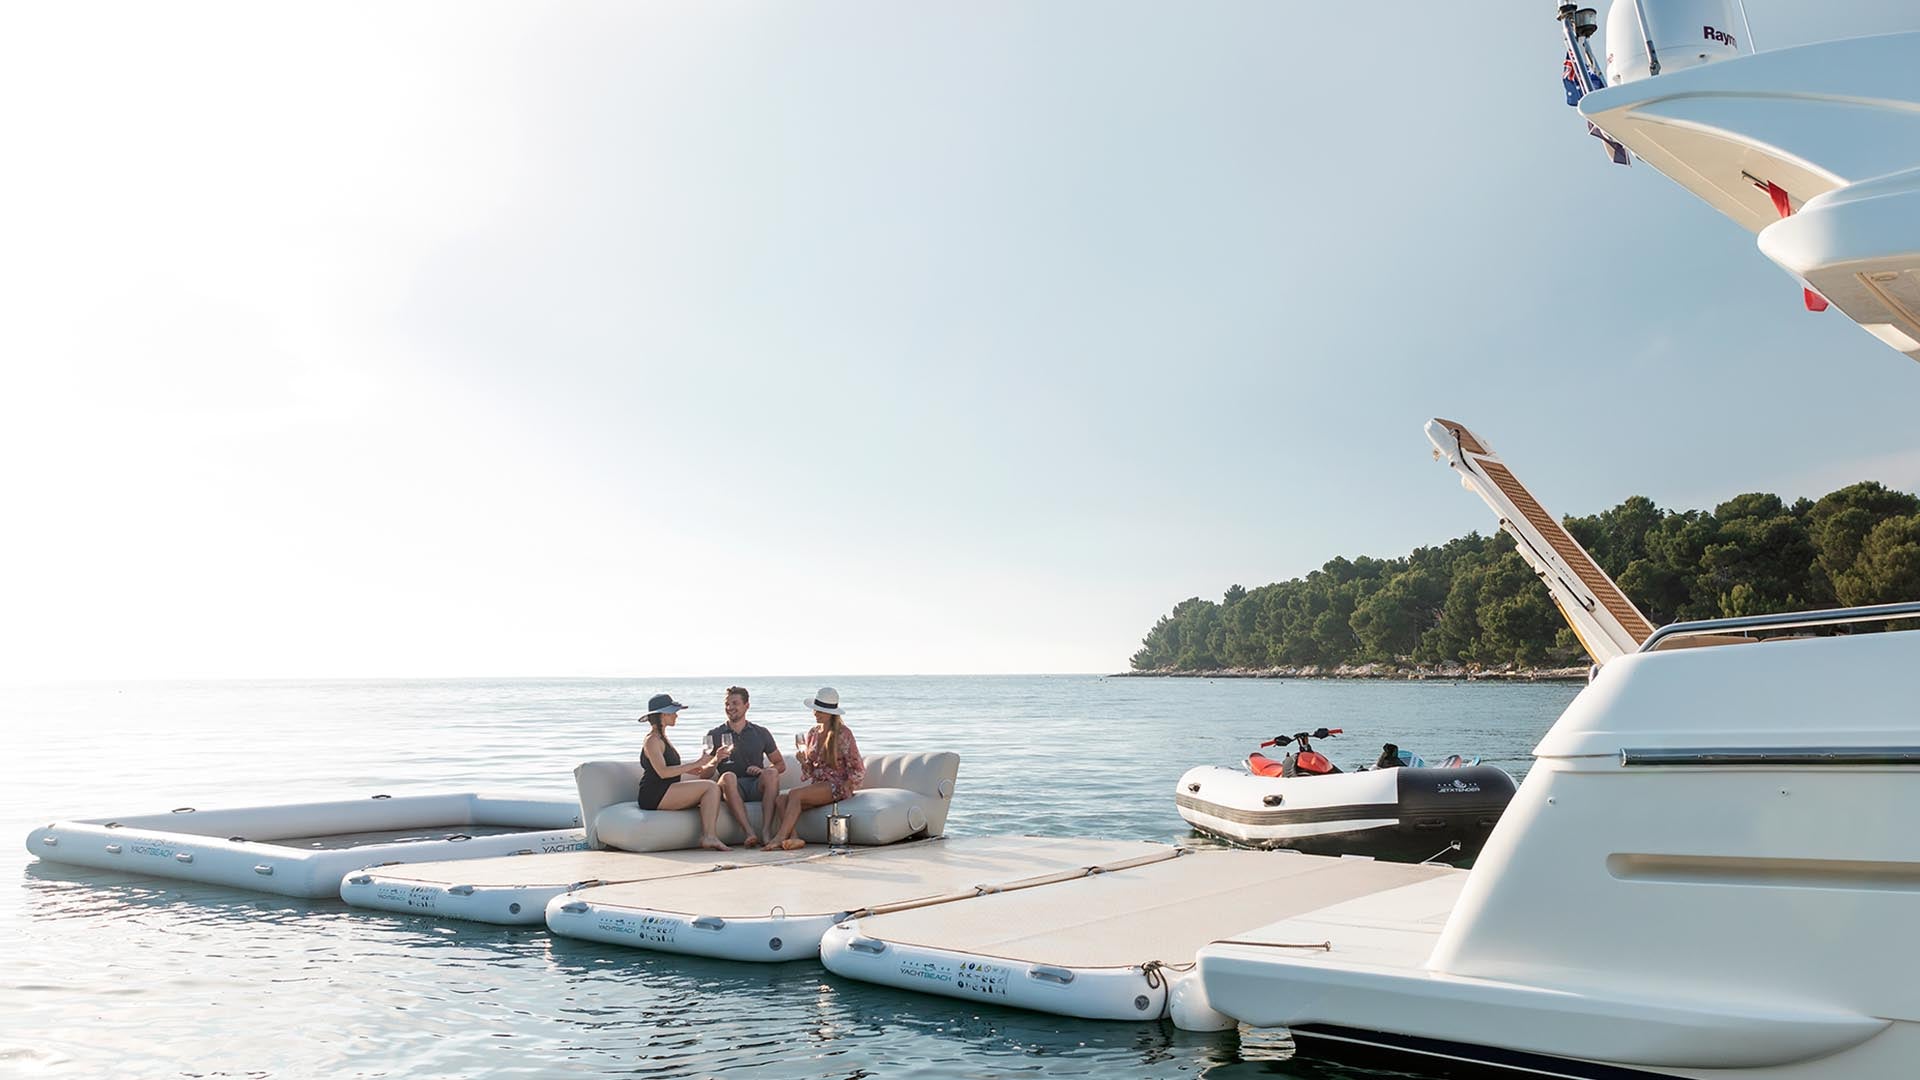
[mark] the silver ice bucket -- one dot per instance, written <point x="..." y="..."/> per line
<point x="837" y="827"/>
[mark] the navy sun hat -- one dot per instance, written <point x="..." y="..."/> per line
<point x="663" y="703"/>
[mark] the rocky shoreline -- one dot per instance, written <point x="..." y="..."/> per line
<point x="1451" y="672"/>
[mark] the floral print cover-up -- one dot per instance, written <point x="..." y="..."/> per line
<point x="842" y="777"/>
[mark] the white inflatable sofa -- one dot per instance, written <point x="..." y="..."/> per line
<point x="904" y="797"/>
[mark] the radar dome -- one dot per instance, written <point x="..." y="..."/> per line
<point x="1685" y="33"/>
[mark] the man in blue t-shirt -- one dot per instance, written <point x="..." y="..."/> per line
<point x="755" y="762"/>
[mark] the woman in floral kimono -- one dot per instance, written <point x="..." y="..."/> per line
<point x="830" y="763"/>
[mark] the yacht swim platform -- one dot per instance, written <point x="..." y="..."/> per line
<point x="1377" y="958"/>
<point x="1119" y="945"/>
<point x="779" y="912"/>
<point x="513" y="890"/>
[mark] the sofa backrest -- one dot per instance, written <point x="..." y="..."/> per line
<point x="930" y="773"/>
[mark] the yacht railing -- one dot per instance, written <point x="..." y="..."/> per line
<point x="1786" y="620"/>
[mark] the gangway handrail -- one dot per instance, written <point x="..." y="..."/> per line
<point x="1783" y="620"/>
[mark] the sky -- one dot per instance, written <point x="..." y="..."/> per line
<point x="716" y="338"/>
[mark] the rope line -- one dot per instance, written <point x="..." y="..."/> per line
<point x="1324" y="946"/>
<point x="1152" y="970"/>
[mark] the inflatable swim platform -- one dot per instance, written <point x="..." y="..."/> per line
<point x="304" y="849"/>
<point x="514" y="890"/>
<point x="773" y="913"/>
<point x="1119" y="945"/>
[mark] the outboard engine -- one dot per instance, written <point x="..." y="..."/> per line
<point x="1682" y="33"/>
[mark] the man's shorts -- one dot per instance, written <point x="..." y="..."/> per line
<point x="749" y="787"/>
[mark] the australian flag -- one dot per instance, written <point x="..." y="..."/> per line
<point x="1570" y="81"/>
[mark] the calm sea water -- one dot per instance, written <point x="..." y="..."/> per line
<point x="108" y="973"/>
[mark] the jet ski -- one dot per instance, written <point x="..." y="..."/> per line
<point x="1402" y="808"/>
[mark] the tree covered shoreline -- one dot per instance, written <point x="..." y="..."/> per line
<point x="1472" y="605"/>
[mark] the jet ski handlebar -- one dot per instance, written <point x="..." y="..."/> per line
<point x="1316" y="733"/>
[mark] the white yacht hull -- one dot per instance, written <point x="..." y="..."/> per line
<point x="1709" y="872"/>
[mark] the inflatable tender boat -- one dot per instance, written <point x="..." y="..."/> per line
<point x="304" y="849"/>
<point x="1405" y="811"/>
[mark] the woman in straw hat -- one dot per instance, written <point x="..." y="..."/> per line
<point x="665" y="784"/>
<point x="829" y="762"/>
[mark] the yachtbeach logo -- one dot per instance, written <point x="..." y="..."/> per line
<point x="1458" y="787"/>
<point x="659" y="929"/>
<point x="1720" y="36"/>
<point x="421" y="897"/>
<point x="926" y="969"/>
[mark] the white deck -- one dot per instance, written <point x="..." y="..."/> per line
<point x="771" y="913"/>
<point x="1392" y="928"/>
<point x="514" y="890"/>
<point x="566" y="868"/>
<point x="1114" y="946"/>
<point x="871" y="878"/>
<point x="1161" y="911"/>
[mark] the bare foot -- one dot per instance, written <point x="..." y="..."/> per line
<point x="792" y="843"/>
<point x="712" y="843"/>
<point x="753" y="840"/>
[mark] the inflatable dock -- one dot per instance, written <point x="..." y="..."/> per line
<point x="774" y="913"/>
<point x="304" y="849"/>
<point x="1117" y="945"/>
<point x="514" y="890"/>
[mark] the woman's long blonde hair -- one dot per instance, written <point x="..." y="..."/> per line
<point x="830" y="742"/>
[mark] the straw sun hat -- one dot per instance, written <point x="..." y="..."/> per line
<point x="826" y="700"/>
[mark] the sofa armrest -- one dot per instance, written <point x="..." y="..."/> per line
<point x="930" y="773"/>
<point x="603" y="784"/>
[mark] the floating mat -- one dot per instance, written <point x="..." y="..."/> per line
<point x="770" y="913"/>
<point x="514" y="890"/>
<point x="304" y="849"/>
<point x="1113" y="946"/>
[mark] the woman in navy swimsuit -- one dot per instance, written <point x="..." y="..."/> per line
<point x="665" y="784"/>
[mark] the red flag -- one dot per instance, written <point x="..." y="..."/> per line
<point x="1815" y="302"/>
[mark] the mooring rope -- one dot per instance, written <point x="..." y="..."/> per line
<point x="1152" y="970"/>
